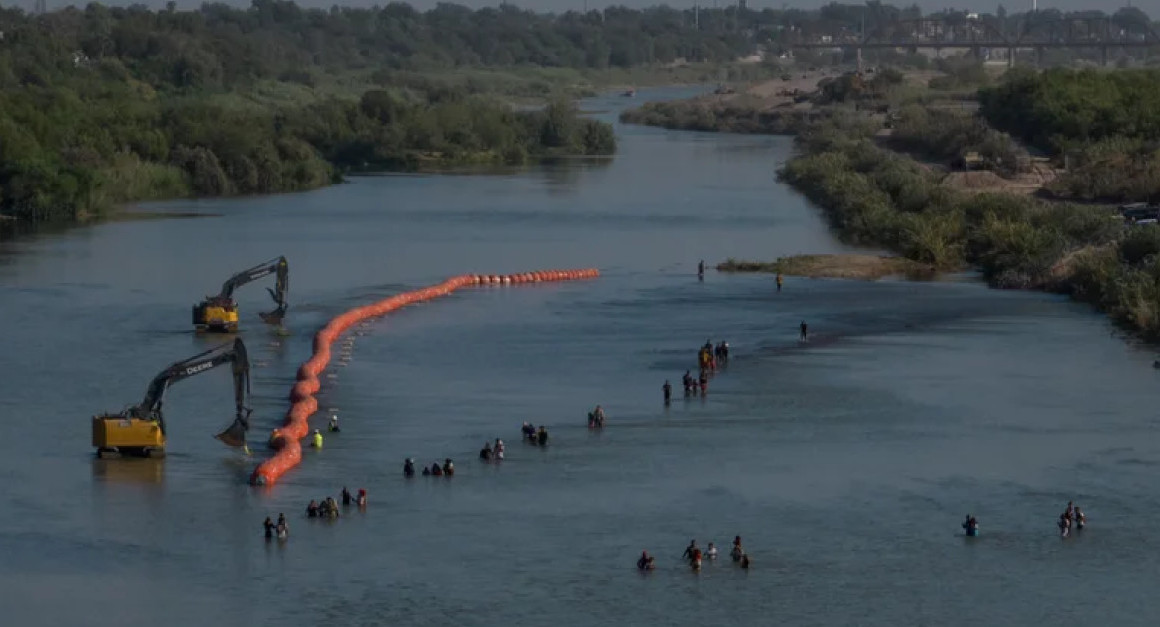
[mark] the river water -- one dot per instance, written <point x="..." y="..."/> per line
<point x="846" y="464"/>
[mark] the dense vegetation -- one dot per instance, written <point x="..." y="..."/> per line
<point x="741" y="115"/>
<point x="108" y="105"/>
<point x="66" y="151"/>
<point x="1118" y="169"/>
<point x="100" y="105"/>
<point x="222" y="45"/>
<point x="218" y="45"/>
<point x="874" y="196"/>
<point x="1059" y="108"/>
<point x="1104" y="126"/>
<point x="951" y="136"/>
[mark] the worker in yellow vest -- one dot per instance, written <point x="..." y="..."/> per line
<point x="317" y="441"/>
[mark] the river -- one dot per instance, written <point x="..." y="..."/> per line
<point x="846" y="464"/>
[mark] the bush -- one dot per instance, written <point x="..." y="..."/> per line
<point x="875" y="197"/>
<point x="1139" y="244"/>
<point x="105" y="105"/>
<point x="1060" y="107"/>
<point x="950" y="135"/>
<point x="737" y="117"/>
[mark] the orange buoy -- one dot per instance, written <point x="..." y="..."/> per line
<point x="304" y="404"/>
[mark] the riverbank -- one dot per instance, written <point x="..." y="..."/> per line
<point x="328" y="127"/>
<point x="857" y="161"/>
<point x="195" y="147"/>
<point x="839" y="266"/>
<point x="876" y="197"/>
<point x="780" y="106"/>
<point x="205" y="113"/>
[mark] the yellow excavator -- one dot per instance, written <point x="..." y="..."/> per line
<point x="220" y="313"/>
<point x="140" y="429"/>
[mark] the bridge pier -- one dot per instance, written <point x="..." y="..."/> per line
<point x="1039" y="57"/>
<point x="859" y="54"/>
<point x="1010" y="57"/>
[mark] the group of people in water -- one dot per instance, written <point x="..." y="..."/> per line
<point x="316" y="437"/>
<point x="709" y="358"/>
<point x="325" y="508"/>
<point x="328" y="507"/>
<point x="533" y="435"/>
<point x="447" y="469"/>
<point x="694" y="556"/>
<point x="279" y="529"/>
<point x="331" y="426"/>
<point x="492" y="453"/>
<point x="1071" y="518"/>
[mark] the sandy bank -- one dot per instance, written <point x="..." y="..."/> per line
<point x="847" y="266"/>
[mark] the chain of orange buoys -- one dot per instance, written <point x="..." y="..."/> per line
<point x="303" y="404"/>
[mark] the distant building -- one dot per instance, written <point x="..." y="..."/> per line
<point x="742" y="5"/>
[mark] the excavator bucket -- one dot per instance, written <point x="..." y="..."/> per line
<point x="234" y="435"/>
<point x="274" y="317"/>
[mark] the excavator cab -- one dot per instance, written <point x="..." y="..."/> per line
<point x="216" y="314"/>
<point x="139" y="431"/>
<point x="219" y="314"/>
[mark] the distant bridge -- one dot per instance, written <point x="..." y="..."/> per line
<point x="976" y="34"/>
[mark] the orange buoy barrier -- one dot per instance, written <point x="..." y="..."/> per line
<point x="303" y="404"/>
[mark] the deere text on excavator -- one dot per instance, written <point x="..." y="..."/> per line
<point x="140" y="429"/>
<point x="220" y="313"/>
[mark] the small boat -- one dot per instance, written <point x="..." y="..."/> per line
<point x="630" y="93"/>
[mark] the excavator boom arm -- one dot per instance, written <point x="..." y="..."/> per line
<point x="233" y="353"/>
<point x="277" y="266"/>
<point x="259" y="271"/>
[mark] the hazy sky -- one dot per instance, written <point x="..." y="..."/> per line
<point x="1152" y="7"/>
